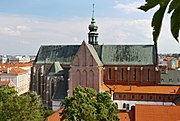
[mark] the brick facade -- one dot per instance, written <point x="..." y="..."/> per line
<point x="85" y="70"/>
<point x="131" y="75"/>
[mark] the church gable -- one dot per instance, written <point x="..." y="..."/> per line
<point x="85" y="68"/>
<point x="86" y="56"/>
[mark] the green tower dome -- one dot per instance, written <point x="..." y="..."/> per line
<point x="93" y="26"/>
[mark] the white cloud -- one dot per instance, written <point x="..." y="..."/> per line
<point x="27" y="34"/>
<point x="23" y="28"/>
<point x="10" y="31"/>
<point x="128" y="8"/>
<point x="123" y="31"/>
<point x="24" y="42"/>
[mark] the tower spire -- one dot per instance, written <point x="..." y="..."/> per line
<point x="93" y="34"/>
<point x="93" y="11"/>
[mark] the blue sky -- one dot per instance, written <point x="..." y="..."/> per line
<point x="25" y="25"/>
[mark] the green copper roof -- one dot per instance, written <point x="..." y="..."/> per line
<point x="55" y="68"/>
<point x="126" y="54"/>
<point x="103" y="54"/>
<point x="52" y="53"/>
<point x="93" y="26"/>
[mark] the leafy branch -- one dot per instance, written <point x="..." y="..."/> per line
<point x="173" y="7"/>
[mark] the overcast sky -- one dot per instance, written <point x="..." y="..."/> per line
<point x="25" y="25"/>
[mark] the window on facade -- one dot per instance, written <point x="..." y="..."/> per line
<point x="127" y="106"/>
<point x="134" y="75"/>
<point x="47" y="69"/>
<point x="160" y="97"/>
<point x="84" y="78"/>
<point x="124" y="96"/>
<point x="42" y="70"/>
<point x="170" y="80"/>
<point x="119" y="73"/>
<point x="78" y="74"/>
<point x="52" y="88"/>
<point x="91" y="61"/>
<point x="169" y="98"/>
<point x="120" y="96"/>
<point x="109" y="73"/>
<point x="78" y="63"/>
<point x="34" y="70"/>
<point x="148" y="74"/>
<point x="132" y="107"/>
<point x="142" y="97"/>
<point x="116" y="104"/>
<point x="124" y="105"/>
<point x="133" y="96"/>
<point x="122" y="74"/>
<point x="48" y="78"/>
<point x="91" y="78"/>
<point x="150" y="97"/>
<point x="115" y="96"/>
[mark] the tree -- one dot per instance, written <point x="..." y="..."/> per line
<point x="88" y="105"/>
<point x="19" y="108"/>
<point x="174" y="8"/>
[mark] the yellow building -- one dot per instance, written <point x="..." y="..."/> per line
<point x="173" y="63"/>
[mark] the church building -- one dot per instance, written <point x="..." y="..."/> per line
<point x="58" y="69"/>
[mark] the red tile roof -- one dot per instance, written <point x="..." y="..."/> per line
<point x="104" y="87"/>
<point x="157" y="113"/>
<point x="4" y="83"/>
<point x="7" y="83"/>
<point x="126" y="116"/>
<point x="17" y="71"/>
<point x="146" y="89"/>
<point x="142" y="113"/>
<point x="12" y="70"/>
<point x="55" y="116"/>
<point x="20" y="64"/>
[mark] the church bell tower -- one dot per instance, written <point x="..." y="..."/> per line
<point x="93" y="34"/>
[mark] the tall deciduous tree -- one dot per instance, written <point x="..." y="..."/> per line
<point x="19" y="108"/>
<point x="88" y="105"/>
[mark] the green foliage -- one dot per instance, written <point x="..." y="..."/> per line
<point x="47" y="113"/>
<point x="88" y="105"/>
<point x="19" y="108"/>
<point x="174" y="8"/>
<point x="5" y="92"/>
